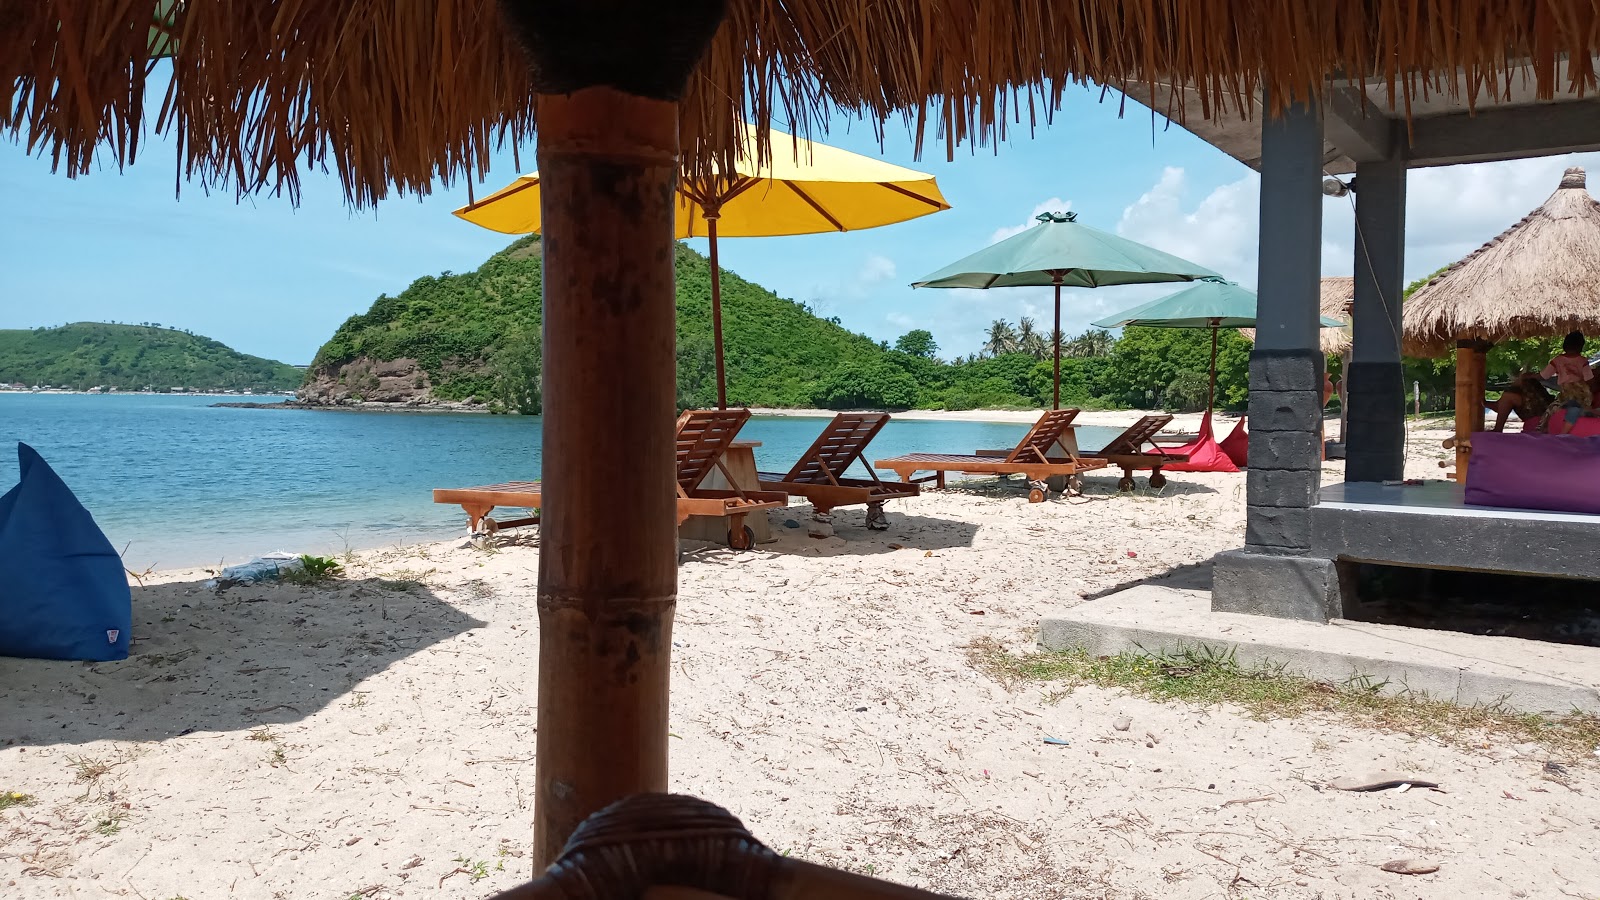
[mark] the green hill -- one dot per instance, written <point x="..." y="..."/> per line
<point x="131" y="357"/>
<point x="475" y="336"/>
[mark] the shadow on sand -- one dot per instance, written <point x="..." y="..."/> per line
<point x="1192" y="577"/>
<point x="851" y="537"/>
<point x="203" y="661"/>
<point x="1096" y="485"/>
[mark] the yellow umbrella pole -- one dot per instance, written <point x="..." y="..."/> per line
<point x="711" y="216"/>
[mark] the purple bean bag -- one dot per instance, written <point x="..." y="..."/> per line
<point x="1535" y="471"/>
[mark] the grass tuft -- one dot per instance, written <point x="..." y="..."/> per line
<point x="313" y="570"/>
<point x="1206" y="676"/>
<point x="9" y="799"/>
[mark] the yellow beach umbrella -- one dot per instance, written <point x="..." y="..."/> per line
<point x="805" y="188"/>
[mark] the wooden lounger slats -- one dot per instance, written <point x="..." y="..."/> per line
<point x="1030" y="458"/>
<point x="1129" y="452"/>
<point x="703" y="436"/>
<point x="819" y="474"/>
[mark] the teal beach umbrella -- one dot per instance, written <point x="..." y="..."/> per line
<point x="1062" y="252"/>
<point x="1213" y="304"/>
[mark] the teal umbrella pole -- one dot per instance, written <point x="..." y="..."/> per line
<point x="1055" y="397"/>
<point x="1211" y="393"/>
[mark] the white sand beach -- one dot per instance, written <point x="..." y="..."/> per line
<point x="374" y="737"/>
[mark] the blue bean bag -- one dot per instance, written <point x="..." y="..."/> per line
<point x="63" y="591"/>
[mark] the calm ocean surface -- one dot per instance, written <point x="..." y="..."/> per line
<point x="180" y="483"/>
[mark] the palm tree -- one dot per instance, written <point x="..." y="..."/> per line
<point x="1094" y="342"/>
<point x="1002" y="338"/>
<point x="1029" y="340"/>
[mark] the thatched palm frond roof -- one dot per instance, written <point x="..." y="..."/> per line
<point x="1540" y="277"/>
<point x="1337" y="292"/>
<point x="399" y="93"/>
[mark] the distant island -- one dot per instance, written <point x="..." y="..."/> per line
<point x="97" y="356"/>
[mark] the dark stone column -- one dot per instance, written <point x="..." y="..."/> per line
<point x="1375" y="450"/>
<point x="1273" y="575"/>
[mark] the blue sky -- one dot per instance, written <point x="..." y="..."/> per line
<point x="274" y="280"/>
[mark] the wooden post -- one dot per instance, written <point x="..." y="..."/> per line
<point x="607" y="582"/>
<point x="608" y="78"/>
<point x="1470" y="373"/>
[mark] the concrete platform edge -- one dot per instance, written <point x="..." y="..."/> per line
<point x="1328" y="653"/>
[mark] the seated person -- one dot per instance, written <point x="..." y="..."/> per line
<point x="1526" y="397"/>
<point x="1572" y="374"/>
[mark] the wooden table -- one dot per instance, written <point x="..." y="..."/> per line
<point x="740" y="460"/>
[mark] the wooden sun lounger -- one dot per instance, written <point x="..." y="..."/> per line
<point x="1133" y="450"/>
<point x="1029" y="459"/>
<point x="703" y="436"/>
<point x="819" y="475"/>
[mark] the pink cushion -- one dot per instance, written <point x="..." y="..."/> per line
<point x="1535" y="471"/>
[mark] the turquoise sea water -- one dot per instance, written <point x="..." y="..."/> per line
<point x="180" y="483"/>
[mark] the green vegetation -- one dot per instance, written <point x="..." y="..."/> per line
<point x="477" y="335"/>
<point x="1207" y="677"/>
<point x="313" y="570"/>
<point x="9" y="799"/>
<point x="133" y="357"/>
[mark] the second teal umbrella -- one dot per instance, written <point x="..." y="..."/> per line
<point x="1061" y="252"/>
<point x="1213" y="304"/>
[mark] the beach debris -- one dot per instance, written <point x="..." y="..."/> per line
<point x="1377" y="781"/>
<point x="411" y="863"/>
<point x="790" y="523"/>
<point x="975" y="612"/>
<point x="1410" y="867"/>
<point x="1122" y="723"/>
<point x="1057" y="742"/>
<point x="1132" y="555"/>
<point x="270" y="567"/>
<point x="903" y="546"/>
<point x="1510" y="796"/>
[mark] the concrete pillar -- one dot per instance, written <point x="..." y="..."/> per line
<point x="1273" y="574"/>
<point x="1375" y="450"/>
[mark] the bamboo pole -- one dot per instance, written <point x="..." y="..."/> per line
<point x="1470" y="372"/>
<point x="608" y="556"/>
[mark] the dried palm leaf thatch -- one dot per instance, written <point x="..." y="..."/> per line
<point x="1337" y="292"/>
<point x="1540" y="277"/>
<point x="403" y="93"/>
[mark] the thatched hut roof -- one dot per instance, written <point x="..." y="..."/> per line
<point x="1540" y="277"/>
<point x="401" y="93"/>
<point x="1337" y="292"/>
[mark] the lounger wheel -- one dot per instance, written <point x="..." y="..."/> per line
<point x="1125" y="483"/>
<point x="1036" y="495"/>
<point x="742" y="539"/>
<point x="1158" y="479"/>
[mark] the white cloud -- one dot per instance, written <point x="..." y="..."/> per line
<point x="900" y="320"/>
<point x="1054" y="204"/>
<point x="1449" y="212"/>
<point x="876" y="269"/>
<point x="1218" y="233"/>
